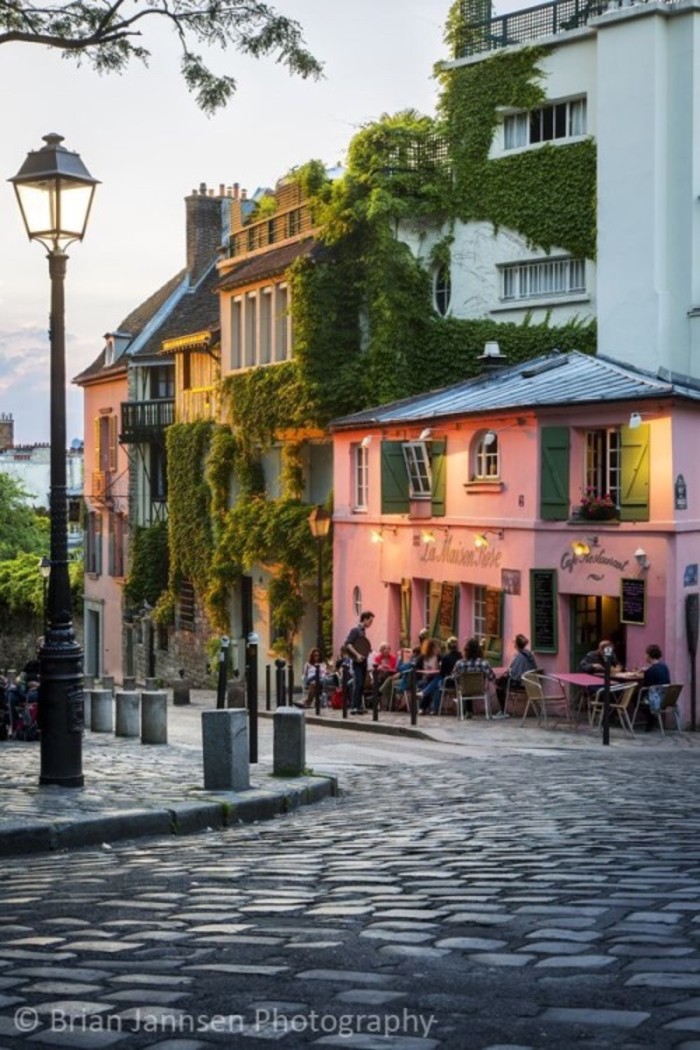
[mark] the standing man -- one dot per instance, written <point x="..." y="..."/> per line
<point x="359" y="646"/>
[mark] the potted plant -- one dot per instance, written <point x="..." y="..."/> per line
<point x="597" y="507"/>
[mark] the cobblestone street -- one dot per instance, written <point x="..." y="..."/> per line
<point x="513" y="898"/>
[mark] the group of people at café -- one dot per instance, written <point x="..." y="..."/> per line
<point x="437" y="666"/>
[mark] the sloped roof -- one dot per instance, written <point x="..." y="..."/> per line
<point x="274" y="261"/>
<point x="133" y="324"/>
<point x="554" y="379"/>
<point x="196" y="310"/>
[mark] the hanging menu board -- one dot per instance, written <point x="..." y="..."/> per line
<point x="633" y="600"/>
<point x="543" y="610"/>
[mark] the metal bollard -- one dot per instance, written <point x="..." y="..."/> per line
<point x="345" y="679"/>
<point x="268" y="687"/>
<point x="412" y="698"/>
<point x="375" y="697"/>
<point x="223" y="672"/>
<point x="251" y="677"/>
<point x="279" y="681"/>
<point x="290" y="685"/>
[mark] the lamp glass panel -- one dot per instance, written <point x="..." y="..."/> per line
<point x="38" y="204"/>
<point x="55" y="210"/>
<point x="74" y="207"/>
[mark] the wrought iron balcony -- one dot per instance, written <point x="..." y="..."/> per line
<point x="490" y="34"/>
<point x="145" y="420"/>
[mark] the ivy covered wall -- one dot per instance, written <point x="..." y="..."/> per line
<point x="364" y="326"/>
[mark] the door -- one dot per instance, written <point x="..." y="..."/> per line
<point x="93" y="643"/>
<point x="592" y="619"/>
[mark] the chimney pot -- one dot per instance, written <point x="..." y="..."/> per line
<point x="203" y="189"/>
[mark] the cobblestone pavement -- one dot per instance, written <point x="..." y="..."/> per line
<point x="499" y="897"/>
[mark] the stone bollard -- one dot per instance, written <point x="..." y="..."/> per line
<point x="127" y="714"/>
<point x="87" y="708"/>
<point x="88" y="681"/>
<point x="289" y="742"/>
<point x="129" y="683"/>
<point x="181" y="692"/>
<point x="107" y="681"/>
<point x="225" y="750"/>
<point x="101" y="711"/>
<point x="151" y="684"/>
<point x="154" y="717"/>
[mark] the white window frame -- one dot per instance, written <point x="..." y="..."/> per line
<point x="551" y="122"/>
<point x="442" y="290"/>
<point x="479" y="611"/>
<point x="602" y="463"/>
<point x="542" y="279"/>
<point x="360" y="479"/>
<point x="487" y="458"/>
<point x="420" y="475"/>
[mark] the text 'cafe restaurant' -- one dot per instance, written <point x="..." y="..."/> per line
<point x="556" y="498"/>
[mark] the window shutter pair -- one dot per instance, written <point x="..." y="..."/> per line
<point x="555" y="497"/>
<point x="395" y="486"/>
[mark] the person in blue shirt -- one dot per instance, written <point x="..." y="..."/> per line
<point x="655" y="673"/>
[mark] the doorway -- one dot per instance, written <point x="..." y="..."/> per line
<point x="594" y="617"/>
<point x="93" y="643"/>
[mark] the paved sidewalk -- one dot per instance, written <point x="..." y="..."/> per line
<point x="134" y="790"/>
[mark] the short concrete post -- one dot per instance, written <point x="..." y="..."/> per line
<point x="235" y="693"/>
<point x="107" y="681"/>
<point x="127" y="714"/>
<point x="88" y="681"/>
<point x="151" y="684"/>
<point x="129" y="683"/>
<point x="87" y="708"/>
<point x="101" y="711"/>
<point x="288" y="742"/>
<point x="154" y="717"/>
<point x="225" y="750"/>
<point x="181" y="692"/>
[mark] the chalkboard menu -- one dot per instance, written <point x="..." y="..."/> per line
<point x="633" y="600"/>
<point x="543" y="610"/>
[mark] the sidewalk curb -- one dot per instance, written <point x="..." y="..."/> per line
<point x="182" y="818"/>
<point x="364" y="724"/>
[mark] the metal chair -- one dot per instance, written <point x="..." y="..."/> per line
<point x="544" y="696"/>
<point x="669" y="696"/>
<point x="471" y="686"/>
<point x="448" y="691"/>
<point x="620" y="703"/>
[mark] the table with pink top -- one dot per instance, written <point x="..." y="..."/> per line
<point x="579" y="681"/>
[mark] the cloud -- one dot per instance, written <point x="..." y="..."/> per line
<point x="25" y="382"/>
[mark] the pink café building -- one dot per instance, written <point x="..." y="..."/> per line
<point x="479" y="510"/>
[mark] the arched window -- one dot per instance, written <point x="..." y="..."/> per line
<point x="442" y="289"/>
<point x="486" y="456"/>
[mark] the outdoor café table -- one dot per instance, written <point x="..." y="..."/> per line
<point x="579" y="680"/>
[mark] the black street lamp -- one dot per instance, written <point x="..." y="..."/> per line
<point x="319" y="523"/>
<point x="44" y="572"/>
<point x="54" y="190"/>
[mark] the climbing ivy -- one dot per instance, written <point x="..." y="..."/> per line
<point x="148" y="574"/>
<point x="189" y="505"/>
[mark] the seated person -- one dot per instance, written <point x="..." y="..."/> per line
<point x="400" y="682"/>
<point x="383" y="662"/>
<point x="473" y="660"/>
<point x="522" y="661"/>
<point x="309" y="675"/>
<point x="594" y="662"/>
<point x="433" y="689"/>
<point x="655" y="673"/>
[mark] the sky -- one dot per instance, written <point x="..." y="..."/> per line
<point x="142" y="135"/>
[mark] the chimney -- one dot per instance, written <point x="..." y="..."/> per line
<point x="7" y="431"/>
<point x="492" y="357"/>
<point x="207" y="218"/>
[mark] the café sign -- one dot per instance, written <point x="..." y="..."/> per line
<point x="597" y="558"/>
<point x="450" y="553"/>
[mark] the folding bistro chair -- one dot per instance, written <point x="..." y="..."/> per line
<point x="620" y="704"/>
<point x="668" y="696"/>
<point x="471" y="686"/>
<point x="545" y="697"/>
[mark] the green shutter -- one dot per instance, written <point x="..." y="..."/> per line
<point x="394" y="479"/>
<point x="554" y="473"/>
<point x="438" y="469"/>
<point x="634" y="473"/>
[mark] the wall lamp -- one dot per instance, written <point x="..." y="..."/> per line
<point x="640" y="556"/>
<point x="377" y="535"/>
<point x="491" y="434"/>
<point x="427" y="536"/>
<point x="366" y="441"/>
<point x="637" y="418"/>
<point x="582" y="547"/>
<point x="480" y="538"/>
<point x="425" y="434"/>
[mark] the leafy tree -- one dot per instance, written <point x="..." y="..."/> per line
<point x="108" y="34"/>
<point x="21" y="529"/>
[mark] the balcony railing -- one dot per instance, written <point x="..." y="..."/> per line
<point x="533" y="23"/>
<point x="101" y="485"/>
<point x="144" y="420"/>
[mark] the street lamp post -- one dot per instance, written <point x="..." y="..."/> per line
<point x="55" y="190"/>
<point x="44" y="572"/>
<point x="319" y="523"/>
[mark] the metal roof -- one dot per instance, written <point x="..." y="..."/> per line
<point x="554" y="379"/>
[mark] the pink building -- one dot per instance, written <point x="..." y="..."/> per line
<point x="461" y="510"/>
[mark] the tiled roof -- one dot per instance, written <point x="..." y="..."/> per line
<point x="551" y="380"/>
<point x="195" y="311"/>
<point x="274" y="261"/>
